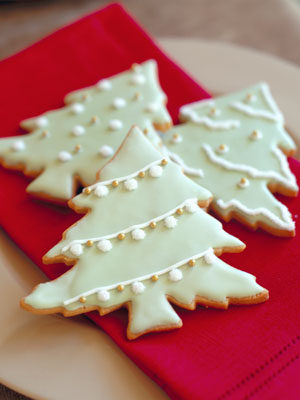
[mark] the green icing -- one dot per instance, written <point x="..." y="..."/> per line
<point x="40" y="155"/>
<point x="132" y="260"/>
<point x="265" y="164"/>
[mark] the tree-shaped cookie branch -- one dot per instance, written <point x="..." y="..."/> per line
<point x="144" y="243"/>
<point x="66" y="147"/>
<point x="236" y="147"/>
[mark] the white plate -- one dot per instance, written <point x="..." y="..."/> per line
<point x="53" y="357"/>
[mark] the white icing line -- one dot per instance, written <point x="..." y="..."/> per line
<point x="286" y="224"/>
<point x="289" y="181"/>
<point x="131" y="228"/>
<point x="124" y="178"/>
<point x="189" y="170"/>
<point x="275" y="115"/>
<point x="141" y="278"/>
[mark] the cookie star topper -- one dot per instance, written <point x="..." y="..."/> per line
<point x="236" y="146"/>
<point x="66" y="147"/>
<point x="144" y="243"/>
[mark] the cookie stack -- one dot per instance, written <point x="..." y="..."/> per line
<point x="146" y="239"/>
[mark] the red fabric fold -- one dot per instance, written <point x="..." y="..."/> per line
<point x="245" y="352"/>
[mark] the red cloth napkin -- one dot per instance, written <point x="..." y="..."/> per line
<point x="245" y="352"/>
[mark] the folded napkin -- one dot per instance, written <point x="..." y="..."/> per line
<point x="245" y="352"/>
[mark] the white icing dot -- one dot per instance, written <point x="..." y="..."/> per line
<point x="115" y="124"/>
<point x="175" y="275"/>
<point x="77" y="108"/>
<point x="106" y="151"/>
<point x="76" y="249"/>
<point x="151" y="107"/>
<point x="104" y="85"/>
<point x="103" y="295"/>
<point x="64" y="156"/>
<point x="137" y="79"/>
<point x="78" y="130"/>
<point x="138" y="234"/>
<point x="223" y="148"/>
<point x="101" y="191"/>
<point x="191" y="206"/>
<point x="41" y="122"/>
<point x="138" y="287"/>
<point x="131" y="184"/>
<point x="155" y="171"/>
<point x="243" y="183"/>
<point x="118" y="102"/>
<point x="104" y="245"/>
<point x="209" y="257"/>
<point x="170" y="222"/>
<point x="256" y="135"/>
<point x="176" y="138"/>
<point x="18" y="145"/>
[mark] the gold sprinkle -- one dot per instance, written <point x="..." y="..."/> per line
<point x="164" y="161"/>
<point x="152" y="225"/>
<point x="89" y="243"/>
<point x="134" y="66"/>
<point x="200" y="204"/>
<point x="192" y="263"/>
<point x="249" y="96"/>
<point x="120" y="288"/>
<point x="137" y="96"/>
<point x="85" y="96"/>
<point x="45" y="133"/>
<point x="121" y="236"/>
<point x="94" y="119"/>
<point x="154" y="278"/>
<point x="146" y="131"/>
<point x="222" y="147"/>
<point x="255" y="133"/>
<point x="115" y="183"/>
<point x="179" y="211"/>
<point x="78" y="147"/>
<point x="175" y="136"/>
<point x="142" y="174"/>
<point x="213" y="111"/>
<point x="87" y="190"/>
<point x="243" y="181"/>
<point x="82" y="299"/>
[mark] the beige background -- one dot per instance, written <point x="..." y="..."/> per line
<point x="269" y="25"/>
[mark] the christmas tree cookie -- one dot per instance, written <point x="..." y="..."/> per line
<point x="236" y="147"/>
<point x="144" y="243"/>
<point x="66" y="147"/>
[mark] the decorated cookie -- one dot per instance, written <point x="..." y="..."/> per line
<point x="143" y="244"/>
<point x="66" y="147"/>
<point x="236" y="147"/>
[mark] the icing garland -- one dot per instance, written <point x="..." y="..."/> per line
<point x="253" y="172"/>
<point x="170" y="222"/>
<point x="188" y="170"/>
<point x="286" y="216"/>
<point x="275" y="115"/>
<point x="208" y="256"/>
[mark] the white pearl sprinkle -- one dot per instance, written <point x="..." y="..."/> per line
<point x="170" y="222"/>
<point x="131" y="184"/>
<point x="138" y="79"/>
<point x="78" y="130"/>
<point x="222" y="149"/>
<point x="138" y="287"/>
<point x="191" y="206"/>
<point x="76" y="249"/>
<point x="77" y="108"/>
<point x="138" y="234"/>
<point x="209" y="257"/>
<point x="101" y="191"/>
<point x="18" y="145"/>
<point x="64" y="156"/>
<point x="106" y="151"/>
<point x="244" y="184"/>
<point x="155" y="171"/>
<point x="115" y="124"/>
<point x="175" y="275"/>
<point x="103" y="295"/>
<point x="104" y="245"/>
<point x="104" y="85"/>
<point x="151" y="107"/>
<point x="118" y="102"/>
<point x="41" y="122"/>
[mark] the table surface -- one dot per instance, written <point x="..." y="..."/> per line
<point x="271" y="26"/>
